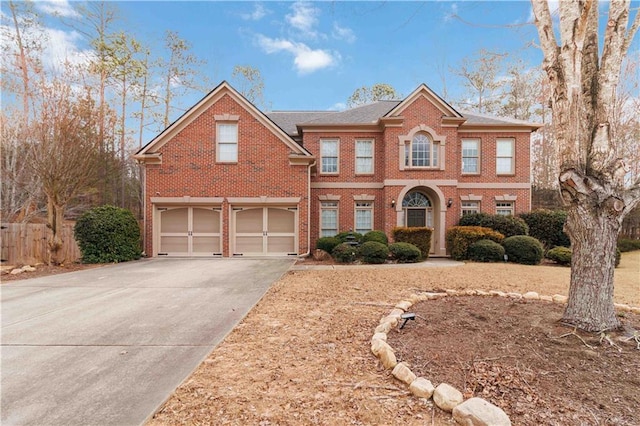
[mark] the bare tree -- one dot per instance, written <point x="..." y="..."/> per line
<point x="250" y="83"/>
<point x="377" y="92"/>
<point x="480" y="76"/>
<point x="61" y="151"/>
<point x="583" y="81"/>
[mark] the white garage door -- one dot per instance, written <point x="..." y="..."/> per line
<point x="189" y="231"/>
<point x="265" y="231"/>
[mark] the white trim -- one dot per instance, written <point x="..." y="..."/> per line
<point x="346" y="185"/>
<point x="506" y="197"/>
<point x="438" y="142"/>
<point x="263" y="200"/>
<point x="187" y="200"/>
<point x="496" y="185"/>
<point x="423" y="182"/>
<point x="329" y="197"/>
<point x="364" y="197"/>
<point x="471" y="197"/>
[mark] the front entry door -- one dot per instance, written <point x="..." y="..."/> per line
<point x="418" y="211"/>
<point x="416" y="218"/>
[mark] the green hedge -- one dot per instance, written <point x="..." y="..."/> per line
<point x="459" y="238"/>
<point x="373" y="252"/>
<point x="627" y="244"/>
<point x="547" y="226"/>
<point x="378" y="236"/>
<point x="523" y="249"/>
<point x="405" y="252"/>
<point x="345" y="253"/>
<point x="486" y="251"/>
<point x="108" y="234"/>
<point x="560" y="255"/>
<point x="344" y="235"/>
<point x="327" y="243"/>
<point x="418" y="236"/>
<point x="506" y="225"/>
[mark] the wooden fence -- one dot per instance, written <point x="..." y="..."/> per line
<point x="26" y="243"/>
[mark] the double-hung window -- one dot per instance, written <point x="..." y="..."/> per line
<point x="227" y="142"/>
<point x="329" y="157"/>
<point x="504" y="156"/>
<point x="364" y="217"/>
<point x="470" y="156"/>
<point x="470" y="207"/>
<point x="364" y="156"/>
<point x="421" y="152"/>
<point x="328" y="218"/>
<point x="504" y="208"/>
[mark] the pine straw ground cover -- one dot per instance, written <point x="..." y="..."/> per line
<point x="302" y="355"/>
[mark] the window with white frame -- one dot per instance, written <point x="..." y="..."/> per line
<point x="504" y="208"/>
<point x="421" y="152"/>
<point x="364" y="217"/>
<point x="504" y="156"/>
<point x="471" y="156"/>
<point x="470" y="207"/>
<point x="227" y="142"/>
<point x="364" y="156"/>
<point x="328" y="218"/>
<point x="329" y="156"/>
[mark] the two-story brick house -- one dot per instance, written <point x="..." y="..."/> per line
<point x="227" y="179"/>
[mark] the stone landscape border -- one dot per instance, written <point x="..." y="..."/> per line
<point x="474" y="411"/>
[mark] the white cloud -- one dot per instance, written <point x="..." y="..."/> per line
<point x="57" y="7"/>
<point x="304" y="18"/>
<point x="259" y="12"/>
<point x="306" y="60"/>
<point x="554" y="8"/>
<point x="343" y="33"/>
<point x="62" y="47"/>
<point x="338" y="106"/>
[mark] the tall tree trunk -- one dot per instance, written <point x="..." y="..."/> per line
<point x="55" y="219"/>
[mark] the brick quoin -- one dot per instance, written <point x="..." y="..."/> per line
<point x="189" y="167"/>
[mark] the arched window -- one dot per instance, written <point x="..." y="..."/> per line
<point x="417" y="209"/>
<point x="421" y="152"/>
<point x="416" y="199"/>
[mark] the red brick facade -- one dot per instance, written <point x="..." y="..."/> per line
<point x="181" y="166"/>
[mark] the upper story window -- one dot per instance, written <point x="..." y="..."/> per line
<point x="470" y="156"/>
<point x="504" y="156"/>
<point x="422" y="152"/>
<point x="364" y="156"/>
<point x="227" y="142"/>
<point x="329" y="158"/>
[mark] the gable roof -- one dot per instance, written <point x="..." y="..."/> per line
<point x="149" y="152"/>
<point x="432" y="96"/>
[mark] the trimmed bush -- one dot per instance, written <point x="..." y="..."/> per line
<point x="486" y="251"/>
<point x="627" y="244"/>
<point x="345" y="253"/>
<point x="560" y="255"/>
<point x="343" y="236"/>
<point x="547" y="226"/>
<point x="419" y="237"/>
<point x="523" y="249"/>
<point x="405" y="252"/>
<point x="327" y="243"/>
<point x="460" y="238"/>
<point x="374" y="252"/>
<point x="506" y="225"/>
<point x="108" y="234"/>
<point x="378" y="236"/>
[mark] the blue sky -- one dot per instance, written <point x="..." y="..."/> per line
<point x="313" y="55"/>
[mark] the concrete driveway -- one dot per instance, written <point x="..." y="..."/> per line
<point x="107" y="346"/>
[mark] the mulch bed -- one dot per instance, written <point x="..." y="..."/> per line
<point x="515" y="354"/>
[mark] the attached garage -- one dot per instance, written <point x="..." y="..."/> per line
<point x="188" y="227"/>
<point x="264" y="230"/>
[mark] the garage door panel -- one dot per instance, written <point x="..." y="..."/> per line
<point x="205" y="245"/>
<point x="281" y="220"/>
<point x="249" y="221"/>
<point x="174" y="220"/>
<point x="206" y="220"/>
<point x="249" y="244"/>
<point x="284" y="244"/>
<point x="174" y="245"/>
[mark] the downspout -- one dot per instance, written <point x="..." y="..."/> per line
<point x="309" y="208"/>
<point x="143" y="175"/>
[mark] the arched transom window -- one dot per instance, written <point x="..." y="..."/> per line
<point x="416" y="199"/>
<point x="421" y="152"/>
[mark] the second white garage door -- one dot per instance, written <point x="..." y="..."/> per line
<point x="260" y="231"/>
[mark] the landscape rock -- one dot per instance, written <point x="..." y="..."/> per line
<point x="451" y="292"/>
<point x="482" y="293"/>
<point x="478" y="412"/>
<point x="384" y="327"/>
<point x="396" y="312"/>
<point x="16" y="271"/>
<point x="403" y="373"/>
<point x="379" y="336"/>
<point x="404" y="305"/>
<point x="635" y="310"/>
<point x="422" y="388"/>
<point x="414" y="298"/>
<point x="622" y="307"/>
<point x="391" y="319"/>
<point x="546" y="298"/>
<point x="432" y="296"/>
<point x="497" y="293"/>
<point x="377" y="346"/>
<point x="28" y="268"/>
<point x="514" y="295"/>
<point x="531" y="295"/>
<point x="558" y="298"/>
<point x="387" y="357"/>
<point x="319" y="254"/>
<point x="447" y="397"/>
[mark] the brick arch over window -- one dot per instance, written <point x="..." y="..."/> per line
<point x="439" y="142"/>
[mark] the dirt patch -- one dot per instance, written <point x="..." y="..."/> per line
<point x="44" y="270"/>
<point x="515" y="354"/>
<point x="302" y="355"/>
